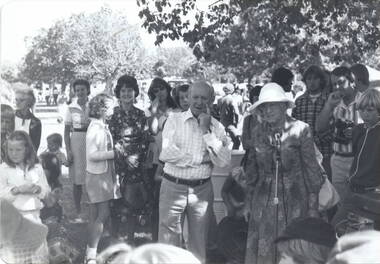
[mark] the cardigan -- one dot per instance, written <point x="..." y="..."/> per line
<point x="98" y="138"/>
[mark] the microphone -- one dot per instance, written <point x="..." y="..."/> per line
<point x="277" y="142"/>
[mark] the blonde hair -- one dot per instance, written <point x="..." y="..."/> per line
<point x="30" y="93"/>
<point x="370" y="98"/>
<point x="97" y="104"/>
<point x="303" y="251"/>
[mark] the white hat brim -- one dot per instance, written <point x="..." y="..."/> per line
<point x="258" y="103"/>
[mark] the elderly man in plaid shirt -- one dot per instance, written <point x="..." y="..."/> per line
<point x="309" y="105"/>
<point x="193" y="142"/>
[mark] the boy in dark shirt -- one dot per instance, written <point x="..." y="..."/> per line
<point x="365" y="170"/>
<point x="232" y="230"/>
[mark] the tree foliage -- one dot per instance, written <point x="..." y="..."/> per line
<point x="174" y="61"/>
<point x="251" y="37"/>
<point x="46" y="59"/>
<point x="98" y="46"/>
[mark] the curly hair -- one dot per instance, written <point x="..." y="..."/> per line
<point x="97" y="104"/>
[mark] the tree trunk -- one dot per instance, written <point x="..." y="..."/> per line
<point x="108" y="88"/>
<point x="63" y="87"/>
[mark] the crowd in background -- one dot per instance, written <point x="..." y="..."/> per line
<point x="308" y="158"/>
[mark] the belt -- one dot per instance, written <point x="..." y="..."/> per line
<point x="347" y="155"/>
<point x="191" y="183"/>
<point x="79" y="129"/>
<point x="361" y="189"/>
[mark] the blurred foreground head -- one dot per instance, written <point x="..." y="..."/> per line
<point x="147" y="254"/>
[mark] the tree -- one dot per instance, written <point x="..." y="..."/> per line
<point x="252" y="37"/>
<point x="103" y="45"/>
<point x="97" y="46"/>
<point x="173" y="61"/>
<point x="47" y="57"/>
<point x="9" y="72"/>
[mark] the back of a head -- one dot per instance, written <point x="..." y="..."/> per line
<point x="308" y="238"/>
<point x="156" y="254"/>
<point x="361" y="72"/>
<point x="283" y="77"/>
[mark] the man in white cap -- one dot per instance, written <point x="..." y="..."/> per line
<point x="193" y="142"/>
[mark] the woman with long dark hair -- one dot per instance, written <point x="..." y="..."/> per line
<point x="161" y="105"/>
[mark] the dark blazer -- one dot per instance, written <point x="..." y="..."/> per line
<point x="34" y="128"/>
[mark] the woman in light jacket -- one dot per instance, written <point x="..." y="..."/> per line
<point x="100" y="171"/>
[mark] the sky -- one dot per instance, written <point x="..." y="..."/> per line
<point x="22" y="18"/>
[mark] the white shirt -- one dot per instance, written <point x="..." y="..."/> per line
<point x="22" y="124"/>
<point x="184" y="145"/>
<point x="13" y="177"/>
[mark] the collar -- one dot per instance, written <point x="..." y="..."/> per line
<point x="75" y="104"/>
<point x="308" y="95"/>
<point x="98" y="122"/>
<point x="187" y="115"/>
<point x="314" y="96"/>
<point x="19" y="114"/>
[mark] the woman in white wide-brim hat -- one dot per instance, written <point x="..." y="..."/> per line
<point x="278" y="137"/>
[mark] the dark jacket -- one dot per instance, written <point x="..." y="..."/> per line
<point x="365" y="169"/>
<point x="34" y="128"/>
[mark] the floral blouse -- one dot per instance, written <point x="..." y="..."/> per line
<point x="130" y="136"/>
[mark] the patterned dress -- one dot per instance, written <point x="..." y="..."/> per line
<point x="129" y="131"/>
<point x="299" y="183"/>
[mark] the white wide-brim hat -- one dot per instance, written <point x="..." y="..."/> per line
<point x="272" y="92"/>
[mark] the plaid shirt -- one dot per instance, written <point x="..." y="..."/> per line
<point x="24" y="255"/>
<point x="307" y="111"/>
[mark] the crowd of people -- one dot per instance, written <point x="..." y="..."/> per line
<point x="307" y="157"/>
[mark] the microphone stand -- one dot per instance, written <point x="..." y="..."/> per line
<point x="277" y="138"/>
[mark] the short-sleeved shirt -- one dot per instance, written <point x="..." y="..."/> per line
<point x="76" y="117"/>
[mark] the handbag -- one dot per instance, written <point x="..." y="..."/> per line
<point x="328" y="196"/>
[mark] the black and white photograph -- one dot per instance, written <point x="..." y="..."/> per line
<point x="189" y="132"/>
